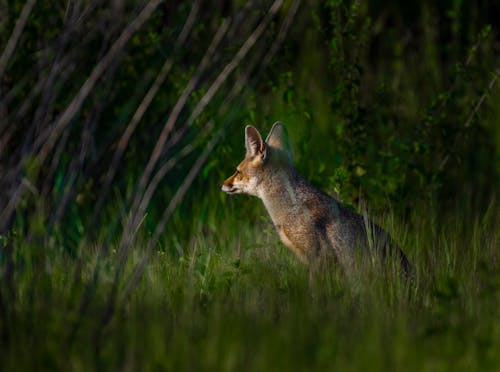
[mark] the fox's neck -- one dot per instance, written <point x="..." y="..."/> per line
<point x="279" y="193"/>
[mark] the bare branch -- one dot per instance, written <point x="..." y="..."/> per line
<point x="256" y="34"/>
<point x="47" y="141"/>
<point x="483" y="97"/>
<point x="143" y="106"/>
<point x="16" y="34"/>
<point x="140" y="203"/>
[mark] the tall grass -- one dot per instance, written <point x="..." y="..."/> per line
<point x="381" y="105"/>
<point x="234" y="298"/>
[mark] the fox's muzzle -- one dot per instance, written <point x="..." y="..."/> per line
<point x="228" y="185"/>
<point x="229" y="189"/>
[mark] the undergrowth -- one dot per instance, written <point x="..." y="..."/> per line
<point x="238" y="299"/>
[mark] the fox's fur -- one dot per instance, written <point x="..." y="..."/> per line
<point x="312" y="224"/>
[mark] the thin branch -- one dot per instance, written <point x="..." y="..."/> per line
<point x="256" y="34"/>
<point x="285" y="26"/>
<point x="179" y="195"/>
<point x="47" y="141"/>
<point x="65" y="68"/>
<point x="48" y="91"/>
<point x="483" y="97"/>
<point x="469" y="120"/>
<point x="140" y="203"/>
<point x="186" y="150"/>
<point x="16" y="34"/>
<point x="75" y="169"/>
<point x="143" y="106"/>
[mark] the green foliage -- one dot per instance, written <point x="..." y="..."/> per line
<point x="389" y="155"/>
<point x="393" y="105"/>
<point x="391" y="118"/>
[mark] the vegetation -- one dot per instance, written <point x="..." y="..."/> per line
<point x="119" y="120"/>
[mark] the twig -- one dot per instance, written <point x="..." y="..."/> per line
<point x="47" y="141"/>
<point x="282" y="33"/>
<point x="256" y="34"/>
<point x="140" y="203"/>
<point x="16" y="34"/>
<point x="469" y="120"/>
<point x="483" y="97"/>
<point x="143" y="106"/>
<point x="48" y="92"/>
<point x="171" y="207"/>
<point x="75" y="168"/>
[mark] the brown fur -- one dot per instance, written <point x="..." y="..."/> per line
<point x="315" y="226"/>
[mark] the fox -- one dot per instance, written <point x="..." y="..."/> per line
<point x="317" y="227"/>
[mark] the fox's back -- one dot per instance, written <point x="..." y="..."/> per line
<point x="313" y="221"/>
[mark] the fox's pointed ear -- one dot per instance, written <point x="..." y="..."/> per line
<point x="253" y="142"/>
<point x="278" y="138"/>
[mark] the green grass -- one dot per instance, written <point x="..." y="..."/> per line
<point x="237" y="299"/>
<point x="377" y="102"/>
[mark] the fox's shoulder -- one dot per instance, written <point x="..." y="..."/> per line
<point x="320" y="204"/>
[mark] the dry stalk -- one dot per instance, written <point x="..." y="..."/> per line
<point x="141" y="201"/>
<point x="47" y="140"/>
<point x="143" y="106"/>
<point x="16" y="34"/>
<point x="483" y="97"/>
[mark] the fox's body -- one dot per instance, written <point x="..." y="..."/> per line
<point x="311" y="223"/>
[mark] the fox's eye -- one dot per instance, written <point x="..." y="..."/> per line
<point x="237" y="171"/>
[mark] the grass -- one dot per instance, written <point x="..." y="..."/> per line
<point x="222" y="293"/>
<point x="238" y="300"/>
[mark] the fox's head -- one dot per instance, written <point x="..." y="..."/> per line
<point x="262" y="159"/>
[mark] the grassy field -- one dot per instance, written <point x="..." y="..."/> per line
<point x="119" y="120"/>
<point x="234" y="298"/>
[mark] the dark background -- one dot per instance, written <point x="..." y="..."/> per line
<point x="119" y="120"/>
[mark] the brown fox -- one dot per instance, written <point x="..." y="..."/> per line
<point x="312" y="224"/>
